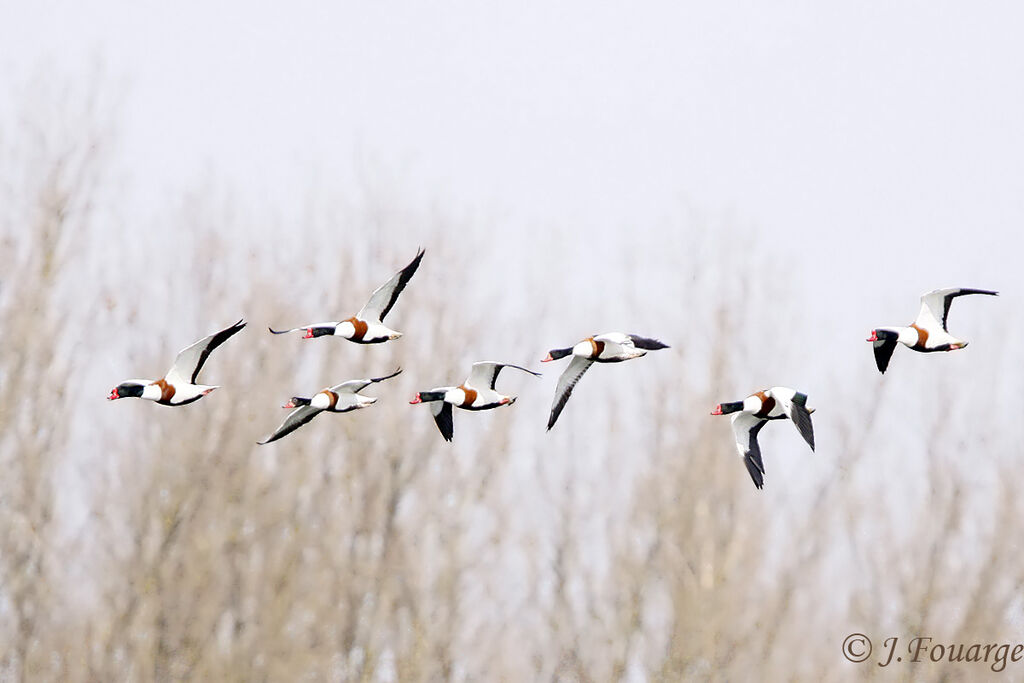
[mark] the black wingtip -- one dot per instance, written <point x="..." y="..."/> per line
<point x="393" y="374"/>
<point x="273" y="331"/>
<point x="647" y="343"/>
<point x="519" y="367"/>
<point x="755" y="473"/>
<point x="802" y="420"/>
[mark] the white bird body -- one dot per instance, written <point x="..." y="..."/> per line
<point x="928" y="333"/>
<point x="369" y="329"/>
<point x="341" y="398"/>
<point x="366" y="326"/>
<point x="610" y="347"/>
<point x="753" y="412"/>
<point x="178" y="386"/>
<point x="476" y="393"/>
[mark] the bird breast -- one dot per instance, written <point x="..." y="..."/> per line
<point x="322" y="401"/>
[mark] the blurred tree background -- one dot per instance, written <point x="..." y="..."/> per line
<point x="145" y="543"/>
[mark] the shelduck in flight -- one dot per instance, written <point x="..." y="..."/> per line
<point x="476" y="393"/>
<point x="612" y="347"/>
<point x="754" y="411"/>
<point x="178" y="386"/>
<point x="928" y="331"/>
<point x="366" y="326"/>
<point x="341" y="398"/>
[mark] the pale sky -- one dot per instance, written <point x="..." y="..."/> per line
<point x="879" y="122"/>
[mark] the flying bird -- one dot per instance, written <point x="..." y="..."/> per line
<point x="777" y="403"/>
<point x="341" y="398"/>
<point x="476" y="393"/>
<point x="178" y="386"/>
<point x="366" y="326"/>
<point x="612" y="347"/>
<point x="928" y="332"/>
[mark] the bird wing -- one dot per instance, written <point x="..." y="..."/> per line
<point x="485" y="373"/>
<point x="570" y="376"/>
<point x="385" y="296"/>
<point x="883" y="349"/>
<point x="354" y="386"/>
<point x="794" y="405"/>
<point x="190" y="359"/>
<point x="935" y="305"/>
<point x="443" y="417"/>
<point x="295" y="419"/>
<point x="647" y="343"/>
<point x="745" y="427"/>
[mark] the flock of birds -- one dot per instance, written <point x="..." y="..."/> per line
<point x="928" y="333"/>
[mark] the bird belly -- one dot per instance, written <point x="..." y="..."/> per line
<point x="374" y="333"/>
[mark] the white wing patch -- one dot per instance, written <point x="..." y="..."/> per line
<point x="190" y="359"/>
<point x="566" y="383"/>
<point x="933" y="309"/>
<point x="384" y="297"/>
<point x="483" y="374"/>
<point x="742" y="423"/>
